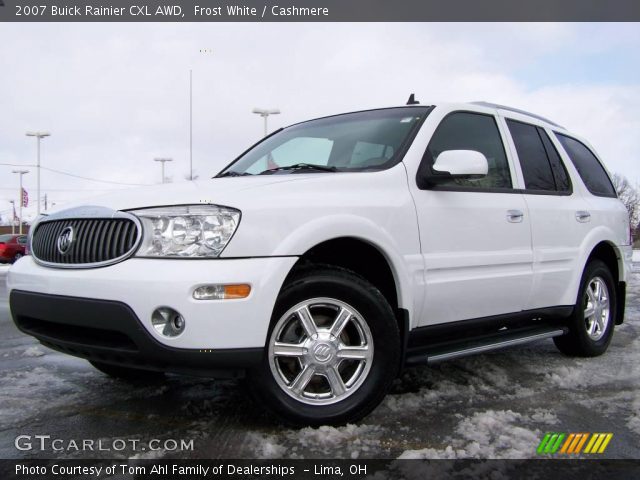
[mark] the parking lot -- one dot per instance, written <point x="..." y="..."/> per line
<point x="497" y="405"/>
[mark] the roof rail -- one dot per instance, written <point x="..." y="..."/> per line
<point x="515" y="110"/>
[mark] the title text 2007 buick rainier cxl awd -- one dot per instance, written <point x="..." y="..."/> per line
<point x="338" y="251"/>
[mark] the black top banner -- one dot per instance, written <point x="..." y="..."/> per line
<point x="320" y="11"/>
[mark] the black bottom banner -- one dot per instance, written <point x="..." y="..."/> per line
<point x="319" y="469"/>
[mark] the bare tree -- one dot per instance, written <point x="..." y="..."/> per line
<point x="630" y="196"/>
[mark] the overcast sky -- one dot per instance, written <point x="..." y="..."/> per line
<point x="114" y="96"/>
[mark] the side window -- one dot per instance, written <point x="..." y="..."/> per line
<point x="589" y="167"/>
<point x="563" y="184"/>
<point x="535" y="165"/>
<point x="472" y="131"/>
<point x="22" y="240"/>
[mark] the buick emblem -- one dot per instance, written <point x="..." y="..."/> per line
<point x="322" y="352"/>
<point x="65" y="240"/>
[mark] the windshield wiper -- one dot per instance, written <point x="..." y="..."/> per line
<point x="231" y="173"/>
<point x="301" y="166"/>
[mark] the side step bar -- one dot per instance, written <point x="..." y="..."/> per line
<point x="471" y="346"/>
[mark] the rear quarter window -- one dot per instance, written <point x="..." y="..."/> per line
<point x="588" y="166"/>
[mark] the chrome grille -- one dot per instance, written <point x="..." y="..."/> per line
<point x="95" y="241"/>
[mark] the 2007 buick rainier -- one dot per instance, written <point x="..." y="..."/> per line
<point x="336" y="252"/>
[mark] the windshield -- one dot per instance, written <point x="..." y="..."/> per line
<point x="5" y="238"/>
<point x="371" y="140"/>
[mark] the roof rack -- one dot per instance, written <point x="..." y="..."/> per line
<point x="516" y="110"/>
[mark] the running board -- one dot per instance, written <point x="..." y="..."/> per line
<point x="471" y="346"/>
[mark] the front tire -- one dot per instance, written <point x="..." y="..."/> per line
<point x="332" y="351"/>
<point x="591" y="325"/>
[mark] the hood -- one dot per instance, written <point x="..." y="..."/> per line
<point x="221" y="191"/>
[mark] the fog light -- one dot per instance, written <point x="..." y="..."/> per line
<point x="222" y="292"/>
<point x="168" y="322"/>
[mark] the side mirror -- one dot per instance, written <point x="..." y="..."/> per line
<point x="460" y="164"/>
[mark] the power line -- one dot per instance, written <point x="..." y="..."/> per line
<point x="74" y="189"/>
<point x="60" y="172"/>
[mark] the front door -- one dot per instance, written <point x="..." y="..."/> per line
<point x="475" y="234"/>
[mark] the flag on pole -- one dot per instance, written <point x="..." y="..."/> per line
<point x="25" y="198"/>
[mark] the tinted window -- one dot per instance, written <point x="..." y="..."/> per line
<point x="535" y="165"/>
<point x="563" y="184"/>
<point x="22" y="240"/>
<point x="472" y="131"/>
<point x="591" y="171"/>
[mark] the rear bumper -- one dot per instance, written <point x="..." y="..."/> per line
<point x="110" y="332"/>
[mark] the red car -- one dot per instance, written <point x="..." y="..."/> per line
<point x="12" y="247"/>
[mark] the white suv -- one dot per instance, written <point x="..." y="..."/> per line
<point x="336" y="252"/>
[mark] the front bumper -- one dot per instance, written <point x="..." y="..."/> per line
<point x="109" y="332"/>
<point x="142" y="285"/>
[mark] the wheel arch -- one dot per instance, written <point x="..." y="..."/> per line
<point x="607" y="252"/>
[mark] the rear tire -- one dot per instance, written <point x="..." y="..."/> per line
<point x="594" y="317"/>
<point x="333" y="349"/>
<point x="127" y="373"/>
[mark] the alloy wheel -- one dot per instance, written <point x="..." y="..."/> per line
<point x="320" y="351"/>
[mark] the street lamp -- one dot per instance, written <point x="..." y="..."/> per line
<point x="264" y="113"/>
<point x="162" y="162"/>
<point x="20" y="198"/>
<point x="39" y="136"/>
<point x="13" y="216"/>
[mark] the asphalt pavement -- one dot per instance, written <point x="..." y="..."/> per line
<point x="497" y="405"/>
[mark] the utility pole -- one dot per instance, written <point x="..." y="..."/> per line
<point x="162" y="162"/>
<point x="20" y="197"/>
<point x="39" y="136"/>
<point x="264" y="113"/>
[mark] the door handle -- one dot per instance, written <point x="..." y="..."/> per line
<point x="583" y="216"/>
<point x="515" y="216"/>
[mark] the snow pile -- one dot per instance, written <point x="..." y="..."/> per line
<point x="265" y="446"/>
<point x="33" y="352"/>
<point x="325" y="441"/>
<point x="490" y="434"/>
<point x="634" y="419"/>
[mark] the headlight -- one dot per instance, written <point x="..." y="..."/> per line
<point x="198" y="231"/>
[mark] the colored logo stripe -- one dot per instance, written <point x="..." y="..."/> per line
<point x="552" y="442"/>
<point x="598" y="443"/>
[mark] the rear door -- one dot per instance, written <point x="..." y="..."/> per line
<point x="475" y="234"/>
<point x="553" y="206"/>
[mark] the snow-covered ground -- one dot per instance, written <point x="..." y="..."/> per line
<point x="497" y="405"/>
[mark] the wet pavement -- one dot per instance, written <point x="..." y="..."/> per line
<point x="497" y="405"/>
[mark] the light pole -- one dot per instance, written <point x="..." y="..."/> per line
<point x="190" y="127"/>
<point x="264" y="113"/>
<point x="20" y="198"/>
<point x="162" y="162"/>
<point x="39" y="136"/>
<point x="13" y="216"/>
